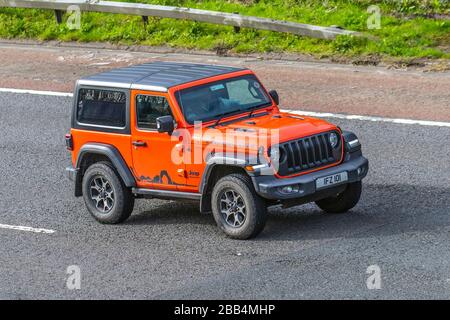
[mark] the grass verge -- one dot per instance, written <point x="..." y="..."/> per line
<point x="409" y="30"/>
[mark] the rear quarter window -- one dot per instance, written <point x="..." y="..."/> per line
<point x="101" y="107"/>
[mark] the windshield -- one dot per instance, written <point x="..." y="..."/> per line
<point x="216" y="99"/>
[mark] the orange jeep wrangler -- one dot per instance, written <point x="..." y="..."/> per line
<point x="207" y="133"/>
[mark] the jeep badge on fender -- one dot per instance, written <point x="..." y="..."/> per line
<point x="207" y="133"/>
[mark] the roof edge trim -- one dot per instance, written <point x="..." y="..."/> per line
<point x="97" y="83"/>
<point x="148" y="88"/>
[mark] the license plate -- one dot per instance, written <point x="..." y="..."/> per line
<point x="331" y="180"/>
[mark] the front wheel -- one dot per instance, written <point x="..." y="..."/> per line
<point x="238" y="210"/>
<point x="344" y="201"/>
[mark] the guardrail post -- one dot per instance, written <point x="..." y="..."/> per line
<point x="58" y="16"/>
<point x="145" y="20"/>
<point x="236" y="28"/>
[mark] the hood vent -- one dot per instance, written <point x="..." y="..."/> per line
<point x="244" y="130"/>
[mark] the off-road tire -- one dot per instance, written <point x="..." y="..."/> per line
<point x="344" y="201"/>
<point x="255" y="207"/>
<point x="123" y="200"/>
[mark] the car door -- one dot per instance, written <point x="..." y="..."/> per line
<point x="152" y="151"/>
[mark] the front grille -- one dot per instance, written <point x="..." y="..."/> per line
<point x="308" y="153"/>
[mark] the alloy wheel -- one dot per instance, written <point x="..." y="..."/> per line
<point x="102" y="194"/>
<point x="232" y="208"/>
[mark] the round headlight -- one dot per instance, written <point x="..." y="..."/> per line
<point x="275" y="154"/>
<point x="334" y="140"/>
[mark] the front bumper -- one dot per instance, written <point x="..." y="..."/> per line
<point x="268" y="186"/>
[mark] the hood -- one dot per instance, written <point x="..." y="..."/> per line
<point x="289" y="126"/>
<point x="263" y="129"/>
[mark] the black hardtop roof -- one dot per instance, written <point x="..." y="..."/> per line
<point x="158" y="76"/>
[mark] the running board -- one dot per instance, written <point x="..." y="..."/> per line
<point x="166" y="194"/>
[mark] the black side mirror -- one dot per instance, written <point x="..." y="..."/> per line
<point x="275" y="97"/>
<point x="165" y="124"/>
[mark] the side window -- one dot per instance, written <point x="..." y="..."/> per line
<point x="148" y="108"/>
<point x="101" y="107"/>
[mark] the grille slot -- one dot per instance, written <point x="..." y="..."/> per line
<point x="308" y="153"/>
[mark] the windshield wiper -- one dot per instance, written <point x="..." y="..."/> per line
<point x="223" y="115"/>
<point x="253" y="109"/>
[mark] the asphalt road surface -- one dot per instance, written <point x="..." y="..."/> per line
<point x="302" y="85"/>
<point x="168" y="250"/>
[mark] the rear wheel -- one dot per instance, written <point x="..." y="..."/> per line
<point x="344" y="201"/>
<point x="238" y="210"/>
<point x="107" y="199"/>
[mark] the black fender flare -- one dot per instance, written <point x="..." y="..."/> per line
<point x="222" y="159"/>
<point x="213" y="161"/>
<point x="351" y="137"/>
<point x="112" y="154"/>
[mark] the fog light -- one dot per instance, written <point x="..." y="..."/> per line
<point x="289" y="189"/>
<point x="361" y="171"/>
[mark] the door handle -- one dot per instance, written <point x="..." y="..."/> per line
<point x="139" y="143"/>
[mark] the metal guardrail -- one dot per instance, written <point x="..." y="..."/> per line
<point x="215" y="17"/>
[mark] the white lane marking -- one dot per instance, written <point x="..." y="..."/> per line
<point x="298" y="112"/>
<point x="44" y="93"/>
<point x="29" y="229"/>
<point x="369" y="118"/>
